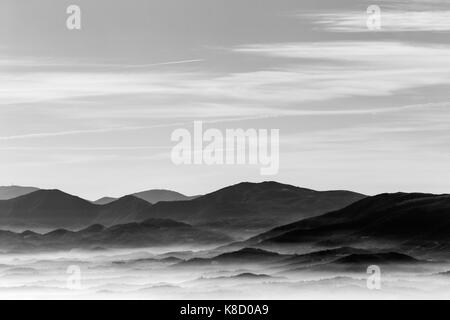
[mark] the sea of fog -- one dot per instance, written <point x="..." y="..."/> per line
<point x="160" y="274"/>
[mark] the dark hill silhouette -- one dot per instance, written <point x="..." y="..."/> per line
<point x="52" y="208"/>
<point x="245" y="207"/>
<point x="123" y="210"/>
<point x="298" y="262"/>
<point x="149" y="233"/>
<point x="249" y="254"/>
<point x="410" y="220"/>
<point x="56" y="209"/>
<point x="253" y="206"/>
<point x="244" y="256"/>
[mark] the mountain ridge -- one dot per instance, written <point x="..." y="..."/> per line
<point x="258" y="205"/>
<point x="148" y="233"/>
<point x="245" y="206"/>
<point x="152" y="196"/>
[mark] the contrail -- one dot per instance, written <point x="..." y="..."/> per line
<point x="76" y="132"/>
<point x="137" y="66"/>
<point x="11" y="63"/>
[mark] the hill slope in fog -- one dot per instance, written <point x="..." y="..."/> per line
<point x="338" y="258"/>
<point x="419" y="221"/>
<point x="149" y="233"/>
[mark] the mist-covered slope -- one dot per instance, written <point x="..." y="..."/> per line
<point x="149" y="233"/>
<point x="408" y="219"/>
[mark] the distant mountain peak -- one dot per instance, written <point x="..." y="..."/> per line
<point x="152" y="196"/>
<point x="13" y="191"/>
<point x="159" y="195"/>
<point x="128" y="201"/>
<point x="53" y="195"/>
<point x="104" y="200"/>
<point x="130" y="197"/>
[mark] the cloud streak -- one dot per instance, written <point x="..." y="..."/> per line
<point x="391" y="21"/>
<point x="347" y="69"/>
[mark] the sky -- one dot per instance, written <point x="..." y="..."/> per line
<point x="91" y="111"/>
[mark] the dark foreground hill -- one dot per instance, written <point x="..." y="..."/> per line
<point x="414" y="221"/>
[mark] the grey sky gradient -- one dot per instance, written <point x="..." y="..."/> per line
<point x="91" y="111"/>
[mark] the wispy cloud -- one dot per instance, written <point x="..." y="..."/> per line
<point x="38" y="135"/>
<point x="391" y="21"/>
<point x="347" y="69"/>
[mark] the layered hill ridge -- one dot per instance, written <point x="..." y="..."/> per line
<point x="152" y="196"/>
<point x="10" y="192"/>
<point x="242" y="206"/>
<point x="125" y="209"/>
<point x="283" y="262"/>
<point x="56" y="209"/>
<point x="104" y="200"/>
<point x="401" y="221"/>
<point x="255" y="205"/>
<point x="157" y="195"/>
<point x="149" y="233"/>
